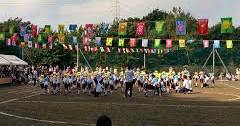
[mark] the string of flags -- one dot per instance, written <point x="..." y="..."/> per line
<point x="37" y="39"/>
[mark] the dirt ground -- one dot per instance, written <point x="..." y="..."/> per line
<point x="217" y="106"/>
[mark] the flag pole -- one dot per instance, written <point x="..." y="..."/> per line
<point x="77" y="57"/>
<point x="144" y="55"/>
<point x="213" y="60"/>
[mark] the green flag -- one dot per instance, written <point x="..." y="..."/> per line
<point x="157" y="43"/>
<point x="2" y="36"/>
<point x="226" y="25"/>
<point x="121" y="42"/>
<point x="159" y="27"/>
<point x="11" y="29"/>
<point x="47" y="29"/>
<point x="39" y="38"/>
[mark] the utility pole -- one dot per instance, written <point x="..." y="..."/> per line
<point x="116" y="10"/>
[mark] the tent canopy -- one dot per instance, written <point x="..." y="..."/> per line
<point x="3" y="61"/>
<point x="12" y="60"/>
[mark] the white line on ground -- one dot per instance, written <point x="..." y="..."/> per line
<point x="232" y="86"/>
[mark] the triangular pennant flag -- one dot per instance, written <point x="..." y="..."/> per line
<point x="202" y="26"/>
<point x="159" y="27"/>
<point x="8" y="41"/>
<point x="14" y="40"/>
<point x="86" y="40"/>
<point x="180" y="27"/>
<point x="29" y="44"/>
<point x="85" y="48"/>
<point x="36" y="45"/>
<point x="157" y="43"/>
<point x="169" y="43"/>
<point x="122" y="30"/>
<point x="132" y="50"/>
<point x="44" y="45"/>
<point x="133" y="42"/>
<point x="76" y="47"/>
<point x="206" y="43"/>
<point x="50" y="45"/>
<point x="101" y="49"/>
<point x="98" y="41"/>
<point x="226" y="25"/>
<point x="229" y="44"/>
<point x="109" y="41"/>
<point x="70" y="47"/>
<point x="144" y="42"/>
<point x="119" y="50"/>
<point x="34" y="31"/>
<point x="121" y="42"/>
<point x="65" y="47"/>
<point x="216" y="44"/>
<point x="108" y="50"/>
<point x="158" y="51"/>
<point x="95" y="48"/>
<point x="182" y="43"/>
<point x="124" y="50"/>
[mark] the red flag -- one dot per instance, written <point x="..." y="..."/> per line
<point x="169" y="43"/>
<point x="34" y="31"/>
<point x="108" y="50"/>
<point x="133" y="42"/>
<point x="140" y="28"/>
<point x="89" y="29"/>
<point x="202" y="26"/>
<point x="14" y="39"/>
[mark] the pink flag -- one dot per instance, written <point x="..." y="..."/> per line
<point x="205" y="43"/>
<point x="169" y="43"/>
<point x="140" y="28"/>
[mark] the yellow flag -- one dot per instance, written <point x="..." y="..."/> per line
<point x="182" y="43"/>
<point x="229" y="44"/>
<point x="109" y="41"/>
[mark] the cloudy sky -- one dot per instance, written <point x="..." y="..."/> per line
<point x="55" y="12"/>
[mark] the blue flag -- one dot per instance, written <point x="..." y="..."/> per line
<point x="98" y="41"/>
<point x="180" y="27"/>
<point x="74" y="40"/>
<point x="104" y="28"/>
<point x="72" y="27"/>
<point x="216" y="44"/>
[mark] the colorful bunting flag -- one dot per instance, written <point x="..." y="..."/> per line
<point x="109" y="41"/>
<point x="29" y="44"/>
<point x="180" y="27"/>
<point x="206" y="43"/>
<point x="72" y="27"/>
<point x="2" y="36"/>
<point x="104" y="28"/>
<point x="8" y="41"/>
<point x="47" y="29"/>
<point x="122" y="30"/>
<point x="202" y="26"/>
<point x="157" y="43"/>
<point x="140" y="28"/>
<point x="133" y="42"/>
<point x="14" y="40"/>
<point x="36" y="45"/>
<point x="229" y="44"/>
<point x="23" y="30"/>
<point x="61" y="29"/>
<point x="70" y="47"/>
<point x="86" y="40"/>
<point x="74" y="40"/>
<point x="216" y="44"/>
<point x="11" y="29"/>
<point x="65" y="47"/>
<point x="89" y="29"/>
<point x="44" y="45"/>
<point x="108" y="50"/>
<point x="226" y="25"/>
<point x="144" y="43"/>
<point x="159" y="27"/>
<point x="121" y="42"/>
<point x="101" y="49"/>
<point x="182" y="43"/>
<point x="34" y="31"/>
<point x="169" y="43"/>
<point x="50" y="45"/>
<point x="76" y="47"/>
<point x="26" y="38"/>
<point x="98" y="41"/>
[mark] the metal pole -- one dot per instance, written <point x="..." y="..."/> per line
<point x="213" y="59"/>
<point x="222" y="61"/>
<point x="77" y="57"/>
<point x="144" y="60"/>
<point x="207" y="60"/>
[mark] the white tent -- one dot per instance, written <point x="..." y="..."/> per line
<point x="13" y="60"/>
<point x="3" y="61"/>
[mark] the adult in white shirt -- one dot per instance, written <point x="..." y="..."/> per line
<point x="129" y="76"/>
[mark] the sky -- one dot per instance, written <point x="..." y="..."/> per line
<point x="80" y="12"/>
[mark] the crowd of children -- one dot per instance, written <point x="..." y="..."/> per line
<point x="105" y="81"/>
